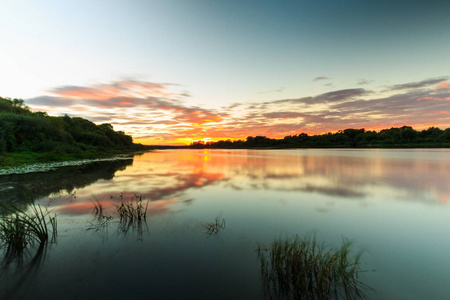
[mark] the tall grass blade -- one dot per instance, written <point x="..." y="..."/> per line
<point x="302" y="269"/>
<point x="19" y="228"/>
<point x="133" y="215"/>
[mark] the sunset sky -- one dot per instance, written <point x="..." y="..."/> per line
<point x="177" y="71"/>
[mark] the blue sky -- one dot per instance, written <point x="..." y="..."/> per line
<point x="208" y="56"/>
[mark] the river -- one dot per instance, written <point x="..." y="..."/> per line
<point x="392" y="203"/>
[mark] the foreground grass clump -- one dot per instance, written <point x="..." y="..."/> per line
<point x="133" y="215"/>
<point x="20" y="228"/>
<point x="301" y="269"/>
<point x="133" y="211"/>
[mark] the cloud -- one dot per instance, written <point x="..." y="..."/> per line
<point x="136" y="95"/>
<point x="157" y="113"/>
<point x="442" y="87"/>
<point x="341" y="95"/>
<point x="334" y="96"/>
<point x="419" y="84"/>
<point x="284" y="115"/>
<point x="364" y="82"/>
<point x="51" y="101"/>
<point x="321" y="78"/>
<point x="346" y="109"/>
<point x="279" y="90"/>
<point x="129" y="88"/>
<point x="434" y="99"/>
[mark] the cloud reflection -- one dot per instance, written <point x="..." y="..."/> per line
<point x="167" y="178"/>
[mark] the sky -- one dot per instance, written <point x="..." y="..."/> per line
<point x="177" y="71"/>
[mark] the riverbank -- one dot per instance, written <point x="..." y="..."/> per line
<point x="48" y="166"/>
<point x="25" y="162"/>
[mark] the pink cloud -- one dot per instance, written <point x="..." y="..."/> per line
<point x="155" y="113"/>
<point x="140" y="89"/>
<point x="434" y="98"/>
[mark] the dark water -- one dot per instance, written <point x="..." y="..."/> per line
<point x="392" y="203"/>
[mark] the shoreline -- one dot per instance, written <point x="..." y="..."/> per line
<point x="49" y="166"/>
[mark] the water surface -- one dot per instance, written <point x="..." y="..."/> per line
<point x="392" y="203"/>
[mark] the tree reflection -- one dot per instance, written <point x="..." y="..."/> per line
<point x="42" y="184"/>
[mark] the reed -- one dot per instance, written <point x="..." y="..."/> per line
<point x="20" y="228"/>
<point x="133" y="211"/>
<point x="214" y="227"/>
<point x="133" y="215"/>
<point x="98" y="209"/>
<point x="101" y="220"/>
<point x="302" y="269"/>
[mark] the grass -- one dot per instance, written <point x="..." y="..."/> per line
<point x="16" y="159"/>
<point x="101" y="220"/>
<point x="133" y="211"/>
<point x="301" y="269"/>
<point x="214" y="227"/>
<point x="20" y="228"/>
<point x="133" y="215"/>
<point x="98" y="209"/>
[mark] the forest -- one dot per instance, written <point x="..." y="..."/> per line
<point x="395" y="137"/>
<point x="27" y="136"/>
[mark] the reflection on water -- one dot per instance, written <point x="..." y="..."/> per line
<point x="16" y="273"/>
<point x="391" y="202"/>
<point x="165" y="176"/>
<point x="337" y="173"/>
<point x="67" y="179"/>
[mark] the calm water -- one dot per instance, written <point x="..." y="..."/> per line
<point x="392" y="203"/>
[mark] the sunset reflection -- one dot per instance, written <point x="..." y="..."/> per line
<point x="169" y="177"/>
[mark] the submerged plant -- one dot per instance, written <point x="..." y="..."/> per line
<point x="214" y="227"/>
<point x="101" y="221"/>
<point x="133" y="215"/>
<point x="98" y="209"/>
<point x="301" y="269"/>
<point x="20" y="228"/>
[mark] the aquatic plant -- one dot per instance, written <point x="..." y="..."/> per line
<point x="20" y="228"/>
<point x="98" y="210"/>
<point x="133" y="215"/>
<point x="301" y="269"/>
<point x="133" y="210"/>
<point x="214" y="227"/>
<point x="101" y="220"/>
<point x="136" y="227"/>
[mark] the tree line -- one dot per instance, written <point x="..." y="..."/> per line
<point x="402" y="137"/>
<point x="22" y="130"/>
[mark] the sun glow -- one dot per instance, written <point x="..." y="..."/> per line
<point x="161" y="114"/>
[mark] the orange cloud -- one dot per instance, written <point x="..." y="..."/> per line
<point x="156" y="113"/>
<point x="433" y="98"/>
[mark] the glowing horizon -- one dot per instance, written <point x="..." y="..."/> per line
<point x="155" y="113"/>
